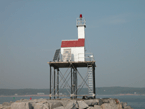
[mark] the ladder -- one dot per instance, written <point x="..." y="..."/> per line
<point x="90" y="80"/>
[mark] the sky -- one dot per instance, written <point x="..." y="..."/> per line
<point x="31" y="31"/>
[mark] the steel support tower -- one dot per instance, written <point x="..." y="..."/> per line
<point x="55" y="75"/>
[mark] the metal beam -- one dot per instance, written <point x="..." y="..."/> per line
<point x="94" y="88"/>
<point x="50" y="83"/>
<point x="71" y="82"/>
<point x="58" y="83"/>
<point x="76" y="81"/>
<point x="54" y="83"/>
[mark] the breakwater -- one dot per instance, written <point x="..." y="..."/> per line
<point x="104" y="103"/>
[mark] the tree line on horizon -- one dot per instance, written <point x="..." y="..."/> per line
<point x="99" y="91"/>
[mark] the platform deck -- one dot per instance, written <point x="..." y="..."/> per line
<point x="68" y="64"/>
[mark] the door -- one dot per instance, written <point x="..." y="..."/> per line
<point x="66" y="55"/>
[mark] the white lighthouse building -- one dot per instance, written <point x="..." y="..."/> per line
<point x="72" y="55"/>
<point x="74" y="50"/>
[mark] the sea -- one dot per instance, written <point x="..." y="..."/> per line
<point x="135" y="101"/>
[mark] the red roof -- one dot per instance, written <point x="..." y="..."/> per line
<point x="73" y="43"/>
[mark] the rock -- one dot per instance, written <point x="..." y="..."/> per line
<point x="88" y="102"/>
<point x="92" y="102"/>
<point x="1" y="106"/>
<point x="7" y="107"/>
<point x="128" y="107"/>
<point x="61" y="107"/>
<point x="41" y="106"/>
<point x="32" y="104"/>
<point x="91" y="108"/>
<point x="58" y="98"/>
<point x="50" y="104"/>
<point x="42" y="103"/>
<point x="106" y="106"/>
<point x="71" y="105"/>
<point x="119" y="106"/>
<point x="124" y="104"/>
<point x="6" y="104"/>
<point x="97" y="107"/>
<point x="113" y="104"/>
<point x="105" y="103"/>
<point x="117" y="101"/>
<point x="77" y="105"/>
<point x="85" y="97"/>
<point x="11" y="102"/>
<point x="100" y="102"/>
<point x="21" y="105"/>
<point x="105" y="100"/>
<point x="22" y="100"/>
<point x="64" y="102"/>
<point x="112" y="101"/>
<point x="82" y="104"/>
<point x="55" y="105"/>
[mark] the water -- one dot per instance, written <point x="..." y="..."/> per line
<point x="135" y="101"/>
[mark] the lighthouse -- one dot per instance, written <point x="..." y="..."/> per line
<point x="74" y="50"/>
<point x="72" y="56"/>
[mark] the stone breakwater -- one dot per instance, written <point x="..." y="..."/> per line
<point x="105" y="103"/>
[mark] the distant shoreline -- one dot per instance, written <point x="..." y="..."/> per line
<point x="21" y="95"/>
<point x="64" y="95"/>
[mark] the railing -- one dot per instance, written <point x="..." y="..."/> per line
<point x="80" y="57"/>
<point x="81" y="21"/>
<point x="89" y="57"/>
